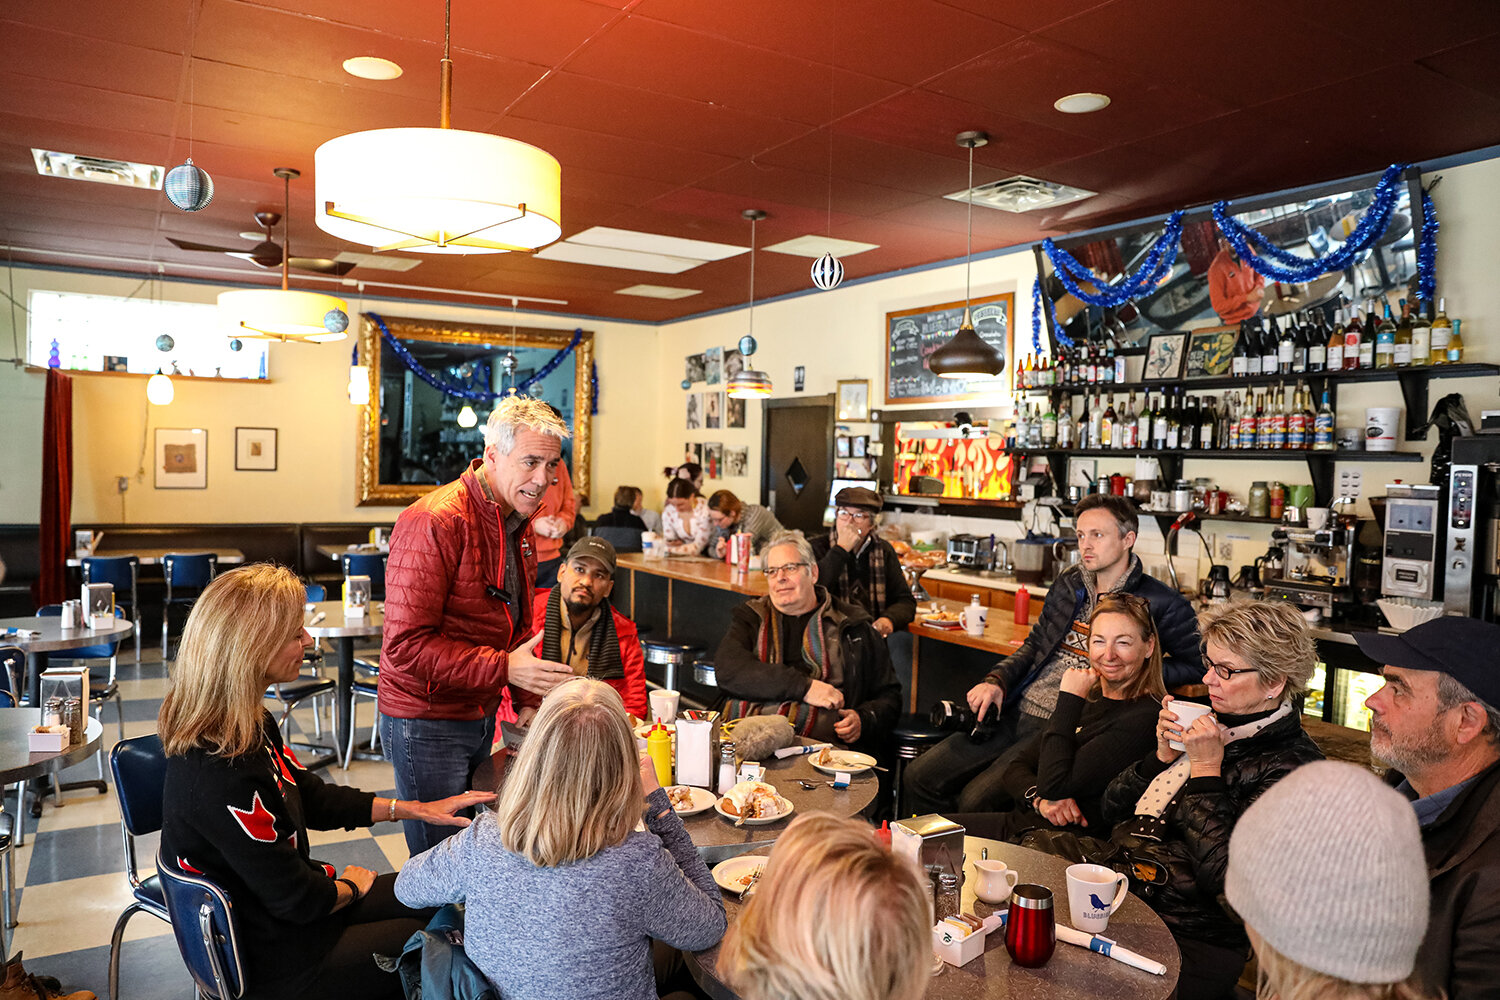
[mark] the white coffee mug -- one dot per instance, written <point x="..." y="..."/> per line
<point x="1094" y="892"/>
<point x="973" y="617"/>
<point x="1188" y="712"/>
<point x="1317" y="518"/>
<point x="664" y="705"/>
<point x="994" y="881"/>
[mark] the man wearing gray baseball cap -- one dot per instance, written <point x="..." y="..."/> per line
<point x="1436" y="723"/>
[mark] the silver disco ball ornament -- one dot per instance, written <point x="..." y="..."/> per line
<point x="336" y="321"/>
<point x="747" y="345"/>
<point x="827" y="272"/>
<point x="236" y="344"/>
<point x="165" y="343"/>
<point x="188" y="186"/>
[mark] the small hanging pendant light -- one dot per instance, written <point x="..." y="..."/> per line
<point x="750" y="383"/>
<point x="967" y="355"/>
<point x="827" y="272"/>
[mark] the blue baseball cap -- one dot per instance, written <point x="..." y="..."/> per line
<point x="1459" y="647"/>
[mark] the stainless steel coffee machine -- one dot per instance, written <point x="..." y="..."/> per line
<point x="1413" y="542"/>
<point x="1471" y="568"/>
<point x="1316" y="566"/>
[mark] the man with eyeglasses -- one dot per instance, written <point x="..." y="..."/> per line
<point x="859" y="566"/>
<point x="1015" y="700"/>
<point x="803" y="653"/>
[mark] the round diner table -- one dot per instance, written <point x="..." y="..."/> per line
<point x="1073" y="973"/>
<point x="333" y="625"/>
<point x="51" y="637"/>
<point x="18" y="763"/>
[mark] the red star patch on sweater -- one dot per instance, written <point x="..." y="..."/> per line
<point x="257" y="821"/>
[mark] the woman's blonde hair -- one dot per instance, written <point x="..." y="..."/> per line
<point x="1148" y="680"/>
<point x="575" y="787"/>
<point x="1270" y="637"/>
<point x="836" y="916"/>
<point x="236" y="627"/>
<point x="1280" y="978"/>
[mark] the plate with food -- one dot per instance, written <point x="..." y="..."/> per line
<point x="943" y="619"/>
<point x="689" y="801"/>
<point x="831" y="761"/>
<point x="754" y="803"/>
<point x="737" y="874"/>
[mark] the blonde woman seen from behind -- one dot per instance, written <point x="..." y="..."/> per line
<point x="836" y="916"/>
<point x="564" y="896"/>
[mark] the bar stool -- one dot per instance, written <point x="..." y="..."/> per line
<point x="705" y="674"/>
<point x="670" y="655"/>
<point x="913" y="737"/>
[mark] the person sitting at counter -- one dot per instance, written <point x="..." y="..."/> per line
<point x="803" y="653"/>
<point x="581" y="628"/>
<point x="684" y="523"/>
<point x="730" y="516"/>
<point x="626" y="512"/>
<point x="858" y="566"/>
<point x="966" y="773"/>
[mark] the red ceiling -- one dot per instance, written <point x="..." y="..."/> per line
<point x="670" y="116"/>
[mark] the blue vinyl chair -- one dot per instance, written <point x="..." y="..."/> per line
<point x="140" y="770"/>
<point x="102" y="687"/>
<point x="189" y="572"/>
<point x="371" y="564"/>
<point x="119" y="572"/>
<point x="204" y="925"/>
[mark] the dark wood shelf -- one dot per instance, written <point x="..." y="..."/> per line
<point x="1467" y="370"/>
<point x="1238" y="454"/>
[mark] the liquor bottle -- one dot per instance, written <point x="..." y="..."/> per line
<point x="1296" y="422"/>
<point x="1107" y="367"/>
<point x="1456" y="345"/>
<point x="1107" y="423"/>
<point x="1096" y="423"/>
<point x="1278" y="419"/>
<point x="1208" y="422"/>
<point x="1019" y="385"/>
<point x="1421" y="335"/>
<point x="1049" y="427"/>
<point x="1333" y="349"/>
<point x="1286" y="346"/>
<point x="1317" y="347"/>
<point x="1119" y="369"/>
<point x="1239" y="362"/>
<point x="1442" y="330"/>
<point x="1309" y="418"/>
<point x="1143" y="424"/>
<point x="1270" y="340"/>
<point x="1159" y="423"/>
<point x="1302" y="337"/>
<point x="1232" y="431"/>
<point x="1227" y="424"/>
<point x="1401" y="341"/>
<point x="1023" y="430"/>
<point x="1250" y="420"/>
<point x="1354" y="336"/>
<point x="1128" y="428"/>
<point x="1065" y="425"/>
<point x="1034" y="437"/>
<point x="1262" y="422"/>
<point x="1385" y="341"/>
<point x="1323" y="425"/>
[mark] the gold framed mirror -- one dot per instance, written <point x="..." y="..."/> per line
<point x="414" y="436"/>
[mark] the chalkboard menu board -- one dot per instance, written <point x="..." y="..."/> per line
<point x="913" y="334"/>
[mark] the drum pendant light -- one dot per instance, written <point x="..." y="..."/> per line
<point x="750" y="383"/>
<point x="967" y="355"/>
<point x="438" y="190"/>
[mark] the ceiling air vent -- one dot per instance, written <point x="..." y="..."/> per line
<point x="101" y="170"/>
<point x="1022" y="194"/>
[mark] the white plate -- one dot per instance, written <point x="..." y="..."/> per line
<point x="848" y="761"/>
<point x="703" y="801"/>
<point x="731" y="874"/>
<point x="786" y="810"/>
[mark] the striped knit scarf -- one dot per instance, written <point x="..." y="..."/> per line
<point x="868" y="591"/>
<point x="604" y="644"/>
<point x="816" y="663"/>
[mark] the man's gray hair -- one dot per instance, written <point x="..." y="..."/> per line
<point x="514" y="412"/>
<point x="796" y="539"/>
<point x="1451" y="694"/>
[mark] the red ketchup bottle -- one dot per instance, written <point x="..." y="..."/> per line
<point x="1023" y="606"/>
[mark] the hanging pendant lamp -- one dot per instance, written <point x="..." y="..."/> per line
<point x="967" y="355"/>
<point x="438" y="190"/>
<point x="750" y="383"/>
<point x="284" y="313"/>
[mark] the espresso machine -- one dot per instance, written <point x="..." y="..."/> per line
<point x="1471" y="567"/>
<point x="1316" y="566"/>
<point x="1413" y="541"/>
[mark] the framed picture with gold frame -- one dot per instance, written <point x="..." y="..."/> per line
<point x="1210" y="351"/>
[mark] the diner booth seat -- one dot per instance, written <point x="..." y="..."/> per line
<point x="316" y="567"/>
<point x="370" y="564"/>
<point x="21" y="550"/>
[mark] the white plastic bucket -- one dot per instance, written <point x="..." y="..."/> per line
<point x="1382" y="427"/>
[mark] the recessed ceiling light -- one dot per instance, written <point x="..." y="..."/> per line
<point x="813" y="247"/>
<point x="602" y="246"/>
<point x="1081" y="104"/>
<point x="378" y="261"/>
<point x="371" y="68"/>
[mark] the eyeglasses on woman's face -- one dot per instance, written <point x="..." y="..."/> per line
<point x="776" y="572"/>
<point x="1225" y="672"/>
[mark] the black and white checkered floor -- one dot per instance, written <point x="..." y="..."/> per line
<point x="70" y="872"/>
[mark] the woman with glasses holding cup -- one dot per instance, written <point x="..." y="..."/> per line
<point x="859" y="566"/>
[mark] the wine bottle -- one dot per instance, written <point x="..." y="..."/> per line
<point x="1129" y="425"/>
<point x="1022" y="427"/>
<point x="1096" y="423"/>
<point x="1065" y="424"/>
<point x="1238" y="361"/>
<point x="1143" y="424"/>
<point x="1269" y="346"/>
<point x="1401" y="341"/>
<point x="1456" y="345"/>
<point x="1421" y="334"/>
<point x="1174" y="419"/>
<point x="1385" y="341"/>
<point x="1049" y="427"/>
<point x="1323" y="425"/>
<point x="1302" y="336"/>
<point x="1442" y="330"/>
<point x="1354" y="336"/>
<point x="1333" y="350"/>
<point x="1286" y="346"/>
<point x="1159" y="423"/>
<point x="1187" y="424"/>
<point x="1309" y="418"/>
<point x="1317" y="346"/>
<point x="1207" y="423"/>
<point x="1107" y="423"/>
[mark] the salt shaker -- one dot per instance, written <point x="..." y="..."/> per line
<point x="726" y="767"/>
<point x="52" y="714"/>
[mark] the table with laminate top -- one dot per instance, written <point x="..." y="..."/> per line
<point x="51" y="637"/>
<point x="326" y="620"/>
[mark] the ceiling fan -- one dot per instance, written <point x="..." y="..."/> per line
<point x="268" y="252"/>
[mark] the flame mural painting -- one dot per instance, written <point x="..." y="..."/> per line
<point x="976" y="467"/>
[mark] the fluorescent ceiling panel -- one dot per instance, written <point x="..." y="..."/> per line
<point x="670" y="246"/>
<point x="658" y="292"/>
<point x="630" y="260"/>
<point x="817" y="246"/>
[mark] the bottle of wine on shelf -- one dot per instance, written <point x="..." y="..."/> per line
<point x="1309" y="418"/>
<point x="1317" y="346"/>
<point x="1159" y="423"/>
<point x="1250" y="341"/>
<point x="1096" y="423"/>
<point x="1143" y="424"/>
<point x="1442" y="330"/>
<point x="1401" y="350"/>
<point x="1270" y="342"/>
<point x="1207" y="423"/>
<point x="1049" y="427"/>
<point x="1385" y="341"/>
<point x="1354" y="336"/>
<point x="1023" y="429"/>
<point x="1187" y="425"/>
<point x="1323" y="425"/>
<point x="1286" y="345"/>
<point x="1174" y="419"/>
<point x="1456" y="344"/>
<point x="1231" y="437"/>
<point x="1421" y="334"/>
<point x="1301" y="344"/>
<point x="1333" y="351"/>
<point x="1129" y="427"/>
<point x="1238" y="359"/>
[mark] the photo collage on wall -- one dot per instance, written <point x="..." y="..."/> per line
<point x="709" y="408"/>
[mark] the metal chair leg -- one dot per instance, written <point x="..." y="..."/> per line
<point x="114" y="949"/>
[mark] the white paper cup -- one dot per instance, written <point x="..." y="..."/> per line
<point x="1094" y="892"/>
<point x="664" y="705"/>
<point x="1188" y="712"/>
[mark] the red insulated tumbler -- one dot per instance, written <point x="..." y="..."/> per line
<point x="1031" y="929"/>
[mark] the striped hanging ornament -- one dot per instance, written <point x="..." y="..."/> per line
<point x="827" y="272"/>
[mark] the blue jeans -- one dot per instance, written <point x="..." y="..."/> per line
<point x="433" y="759"/>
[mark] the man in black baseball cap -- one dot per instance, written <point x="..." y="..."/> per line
<point x="860" y="567"/>
<point x="1435" y="721"/>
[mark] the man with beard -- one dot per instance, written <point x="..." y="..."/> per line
<point x="1435" y="722"/>
<point x="581" y="629"/>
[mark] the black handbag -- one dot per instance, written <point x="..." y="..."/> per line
<point x="1146" y="874"/>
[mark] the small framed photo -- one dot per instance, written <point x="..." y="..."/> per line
<point x="713" y="365"/>
<point x="713" y="459"/>
<point x="181" y="458"/>
<point x="841" y="446"/>
<point x="693" y="452"/>
<point x="734" y="412"/>
<point x="1210" y="351"/>
<point x="693" y="367"/>
<point x="713" y="410"/>
<point x="695" y="411"/>
<point x="116" y="363"/>
<point x="860" y="445"/>
<point x="1164" y="356"/>
<point x="854" y="399"/>
<point x="255" y="449"/>
<point x="799" y="378"/>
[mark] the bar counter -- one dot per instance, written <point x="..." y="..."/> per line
<point x="699" y="570"/>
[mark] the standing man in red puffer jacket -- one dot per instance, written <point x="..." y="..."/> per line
<point x="458" y="608"/>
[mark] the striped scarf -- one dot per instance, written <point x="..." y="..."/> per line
<point x="816" y="662"/>
<point x="868" y="591"/>
<point x="604" y="644"/>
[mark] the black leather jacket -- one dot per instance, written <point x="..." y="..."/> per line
<point x="1195" y="850"/>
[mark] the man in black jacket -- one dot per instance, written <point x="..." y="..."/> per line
<point x="858" y="566"/>
<point x="965" y="773"/>
<point x="1436" y="722"/>
<point x="805" y="654"/>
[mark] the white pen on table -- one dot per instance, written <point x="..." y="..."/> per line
<point x="318" y="617"/>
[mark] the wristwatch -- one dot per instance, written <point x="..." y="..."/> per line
<point x="1031" y="798"/>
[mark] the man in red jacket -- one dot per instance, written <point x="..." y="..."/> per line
<point x="581" y="628"/>
<point x="458" y="610"/>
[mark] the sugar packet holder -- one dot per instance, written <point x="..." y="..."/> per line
<point x="955" y="947"/>
<point x="798" y="751"/>
<point x="1108" y="948"/>
<point x="841" y="779"/>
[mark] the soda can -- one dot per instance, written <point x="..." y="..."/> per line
<point x="741" y="546"/>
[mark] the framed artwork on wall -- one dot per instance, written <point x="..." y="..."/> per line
<point x="695" y="411"/>
<point x="693" y="368"/>
<point x="255" y="449"/>
<point x="713" y="459"/>
<point x="713" y="365"/>
<point x="734" y="412"/>
<point x="1164" y="354"/>
<point x="854" y="399"/>
<point x="181" y="458"/>
<point x="1210" y="351"/>
<point x="713" y="410"/>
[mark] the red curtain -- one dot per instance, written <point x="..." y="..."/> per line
<point x="57" y="489"/>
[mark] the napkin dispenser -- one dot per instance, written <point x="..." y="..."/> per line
<point x="697" y="747"/>
<point x="356" y="596"/>
<point x="930" y="840"/>
<point x="98" y="601"/>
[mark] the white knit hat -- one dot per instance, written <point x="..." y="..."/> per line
<point x="1327" y="866"/>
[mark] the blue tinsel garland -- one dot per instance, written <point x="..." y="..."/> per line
<point x="475" y="395"/>
<point x="1157" y="265"/>
<point x="1427" y="250"/>
<point x="1037" y="298"/>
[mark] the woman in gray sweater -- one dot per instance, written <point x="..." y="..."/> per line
<point x="563" y="894"/>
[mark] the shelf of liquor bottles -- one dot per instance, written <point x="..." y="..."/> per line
<point x="1012" y="510"/>
<point x="1465" y="370"/>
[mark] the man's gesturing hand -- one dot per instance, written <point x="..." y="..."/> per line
<point x="530" y="672"/>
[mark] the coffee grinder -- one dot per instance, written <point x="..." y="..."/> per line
<point x="1413" y="542"/>
<point x="1471" y="574"/>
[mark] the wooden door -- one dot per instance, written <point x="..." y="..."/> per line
<point x="797" y="445"/>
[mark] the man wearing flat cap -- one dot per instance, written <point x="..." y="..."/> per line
<point x="1436" y="723"/>
<point x="858" y="566"/>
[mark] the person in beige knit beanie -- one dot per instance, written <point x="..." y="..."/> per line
<point x="1327" y="872"/>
